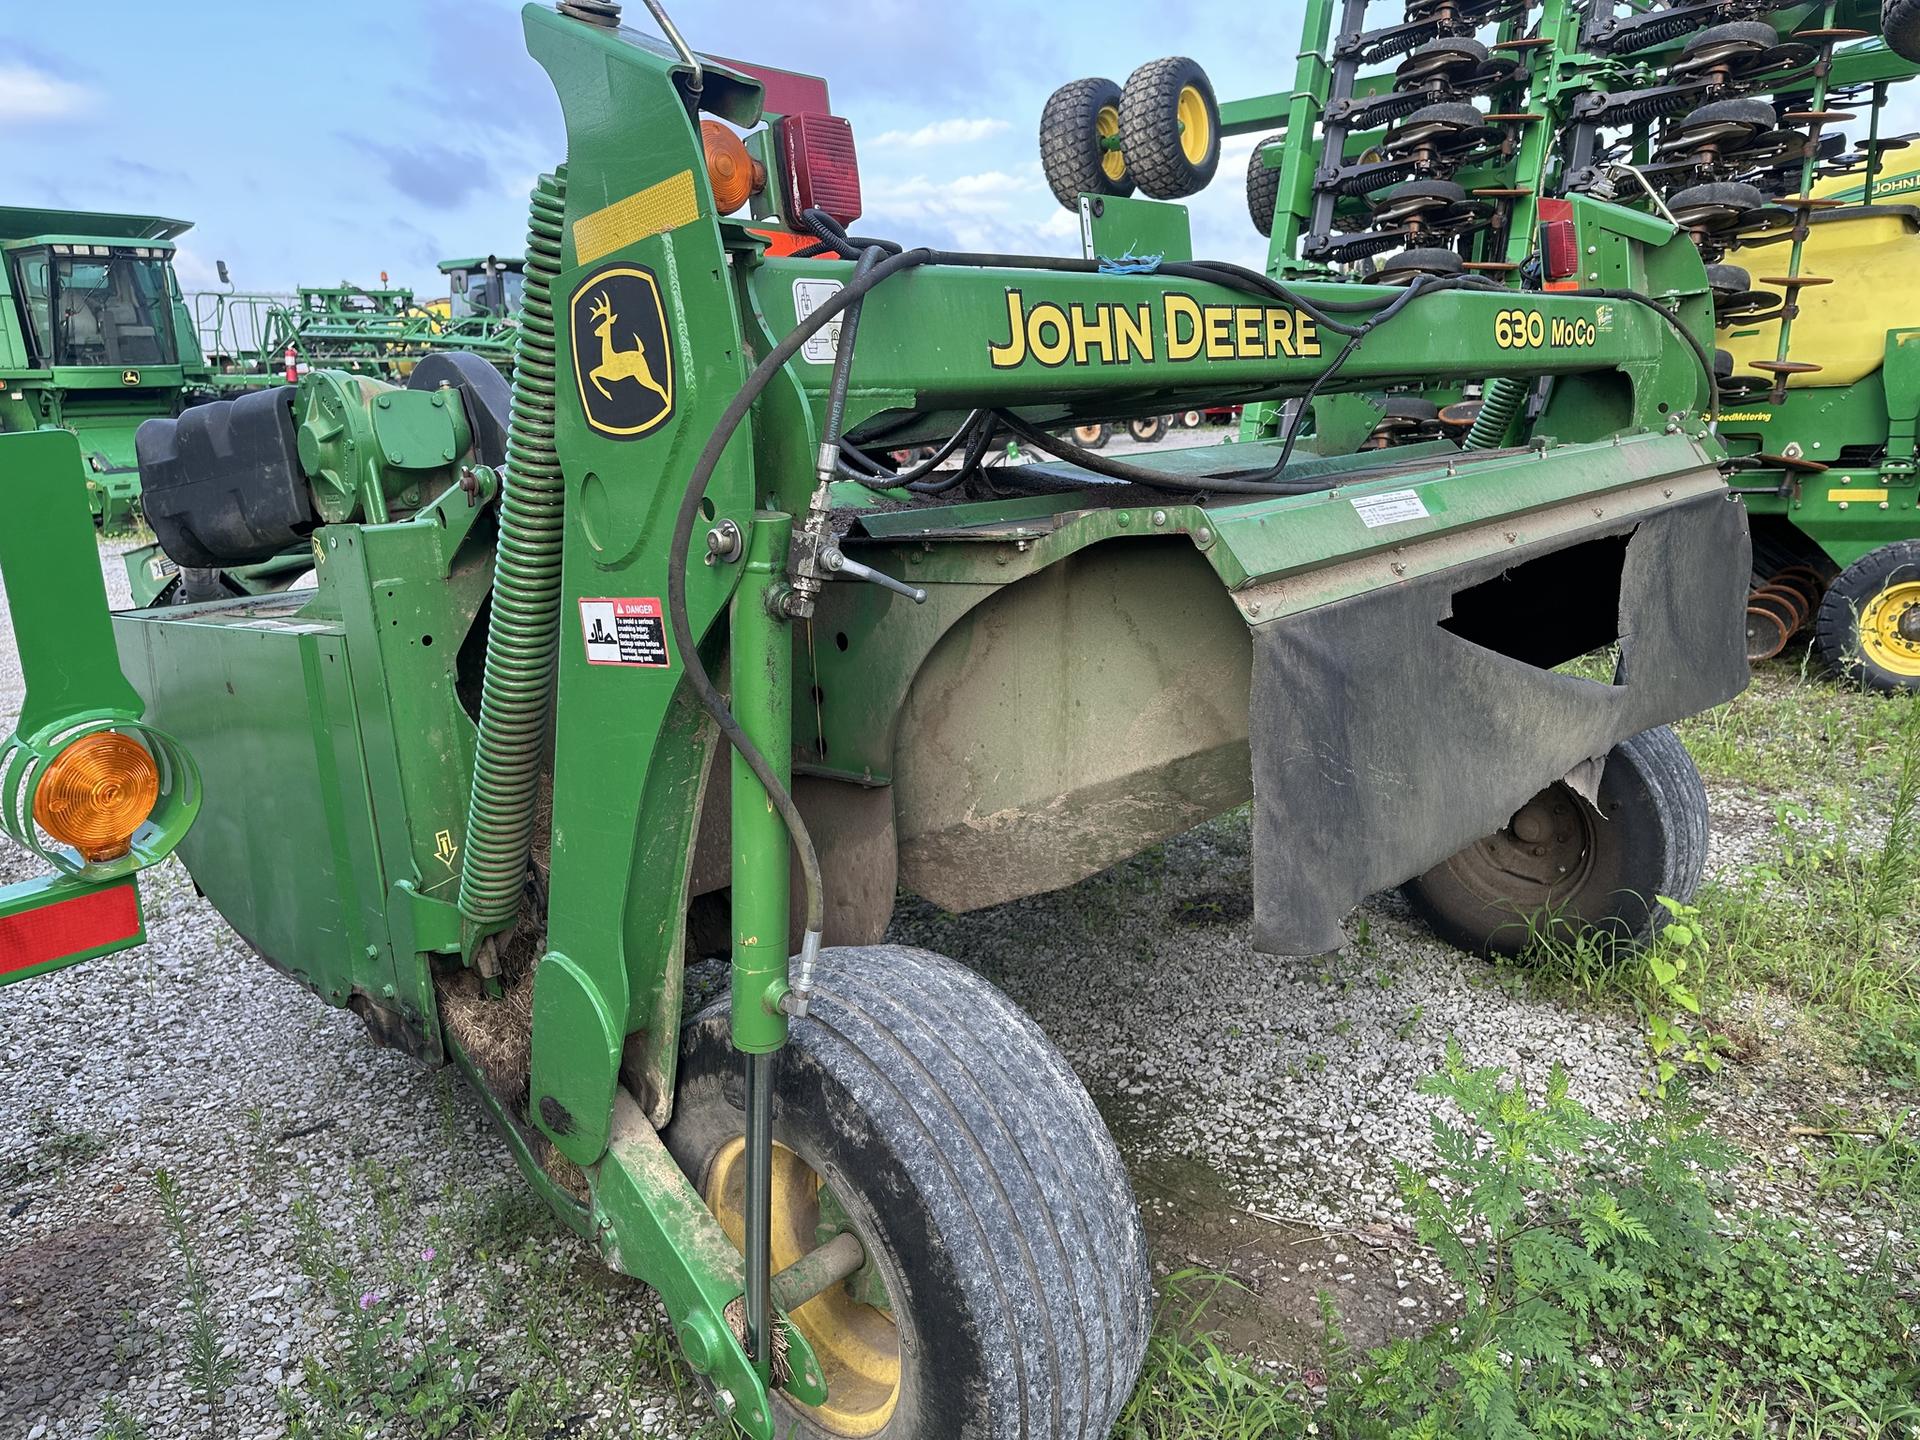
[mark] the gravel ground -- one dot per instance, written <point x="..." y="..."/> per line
<point x="1260" y="1103"/>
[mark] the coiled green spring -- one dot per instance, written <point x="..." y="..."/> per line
<point x="1501" y="402"/>
<point x="523" y="631"/>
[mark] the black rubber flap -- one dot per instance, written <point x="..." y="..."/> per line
<point x="1384" y="740"/>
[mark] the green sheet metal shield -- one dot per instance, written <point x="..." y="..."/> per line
<point x="622" y="360"/>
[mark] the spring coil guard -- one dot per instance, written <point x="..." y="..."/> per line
<point x="523" y="629"/>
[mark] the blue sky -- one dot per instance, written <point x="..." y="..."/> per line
<point x="315" y="143"/>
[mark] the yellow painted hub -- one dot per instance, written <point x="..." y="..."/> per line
<point x="1886" y="641"/>
<point x="1107" y="125"/>
<point x="1196" y="129"/>
<point x="857" y="1345"/>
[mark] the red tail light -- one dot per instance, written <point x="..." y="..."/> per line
<point x="823" y="172"/>
<point x="1559" y="247"/>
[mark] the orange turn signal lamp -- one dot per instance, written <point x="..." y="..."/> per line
<point x="735" y="175"/>
<point x="96" y="793"/>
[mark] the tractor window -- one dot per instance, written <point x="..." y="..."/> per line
<point x="31" y="283"/>
<point x="112" y="309"/>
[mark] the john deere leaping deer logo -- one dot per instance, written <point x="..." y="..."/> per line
<point x="622" y="360"/>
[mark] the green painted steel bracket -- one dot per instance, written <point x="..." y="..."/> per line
<point x="50" y="568"/>
<point x="50" y="565"/>
<point x="640" y="218"/>
<point x="653" y="1225"/>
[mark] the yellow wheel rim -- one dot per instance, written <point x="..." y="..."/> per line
<point x="1890" y="629"/>
<point x="1113" y="163"/>
<point x="1196" y="127"/>
<point x="858" y="1345"/>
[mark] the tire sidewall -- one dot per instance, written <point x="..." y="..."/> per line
<point x="943" y="1368"/>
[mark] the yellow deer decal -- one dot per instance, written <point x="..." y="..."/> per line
<point x="620" y="364"/>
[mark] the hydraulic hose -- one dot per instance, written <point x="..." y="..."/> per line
<point x="684" y="521"/>
<point x="523" y="630"/>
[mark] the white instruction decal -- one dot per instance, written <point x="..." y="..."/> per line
<point x="624" y="632"/>
<point x="1390" y="508"/>
<point x="809" y="296"/>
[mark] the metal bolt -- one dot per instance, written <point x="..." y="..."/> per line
<point x="1883" y="505"/>
<point x="1253" y="607"/>
<point x="723" y="543"/>
<point x="724" y="1402"/>
<point x="1203" y="535"/>
<point x="1124" y="518"/>
<point x="1511" y="537"/>
<point x="1398" y="568"/>
<point x="1843" y="504"/>
<point x="1159" y="517"/>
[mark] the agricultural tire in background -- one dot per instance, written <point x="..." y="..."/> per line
<point x="1263" y="188"/>
<point x="1091" y="437"/>
<point x="1073" y="122"/>
<point x="1900" y="25"/>
<point x="1170" y="124"/>
<point x="1868" y="626"/>
<point x="1649" y="840"/>
<point x="1147" y="429"/>
<point x="1007" y="1266"/>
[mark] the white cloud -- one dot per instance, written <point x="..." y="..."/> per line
<point x="942" y="132"/>
<point x="28" y="94"/>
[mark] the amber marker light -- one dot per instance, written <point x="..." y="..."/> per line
<point x="736" y="176"/>
<point x="96" y="793"/>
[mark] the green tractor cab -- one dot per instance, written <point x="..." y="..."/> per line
<point x="665" y="634"/>
<point x="94" y="338"/>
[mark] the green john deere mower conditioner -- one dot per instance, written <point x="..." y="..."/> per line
<point x="660" y="642"/>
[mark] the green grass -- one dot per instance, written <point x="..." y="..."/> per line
<point x="1612" y="1286"/>
<point x="1794" y="731"/>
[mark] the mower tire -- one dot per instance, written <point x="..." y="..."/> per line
<point x="1868" y="626"/>
<point x="1558" y="870"/>
<point x="1147" y="429"/>
<point x="1006" y="1292"/>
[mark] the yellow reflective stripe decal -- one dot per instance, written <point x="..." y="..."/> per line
<point x="666" y="205"/>
<point x="1851" y="494"/>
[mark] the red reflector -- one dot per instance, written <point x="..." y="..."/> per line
<point x="823" y="173"/>
<point x="69" y="927"/>
<point x="1559" y="247"/>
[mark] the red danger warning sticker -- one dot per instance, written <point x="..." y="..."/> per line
<point x="625" y="632"/>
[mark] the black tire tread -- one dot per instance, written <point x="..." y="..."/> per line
<point x="1735" y="194"/>
<point x="1752" y="32"/>
<point x="1263" y="189"/>
<point x="1900" y="26"/>
<point x="1678" y="798"/>
<point x="1836" y="637"/>
<point x="1014" y="1166"/>
<point x="1739" y="111"/>
<point x="1069" y="149"/>
<point x="1147" y="104"/>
